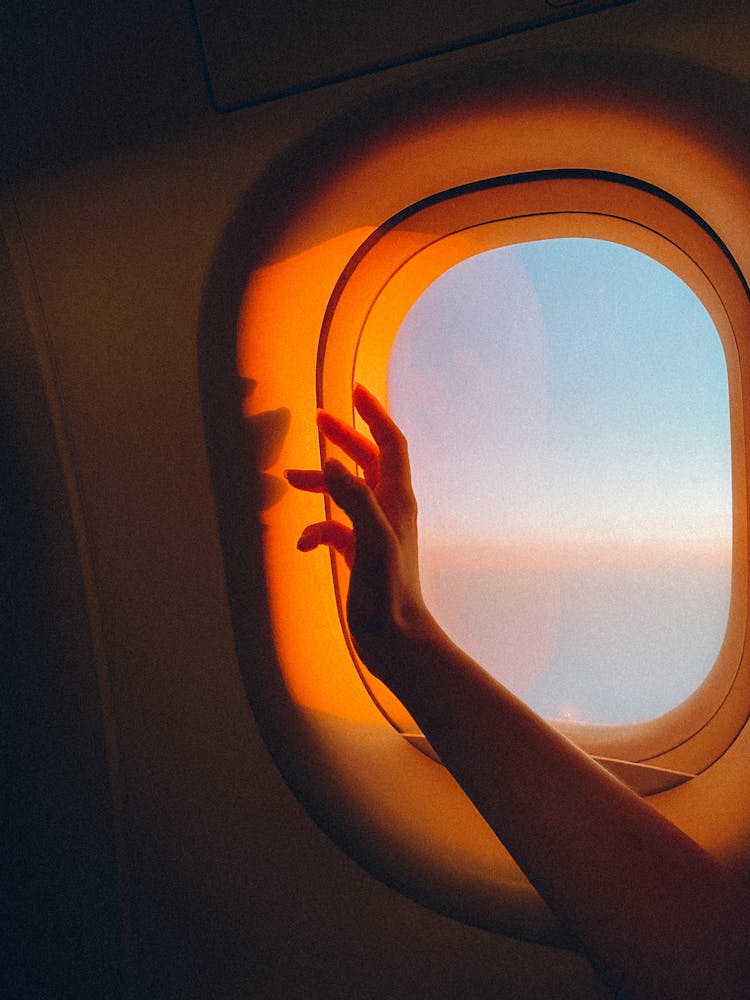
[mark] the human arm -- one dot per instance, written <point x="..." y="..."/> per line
<point x="656" y="915"/>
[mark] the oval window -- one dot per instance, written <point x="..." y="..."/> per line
<point x="567" y="408"/>
<point x="323" y="307"/>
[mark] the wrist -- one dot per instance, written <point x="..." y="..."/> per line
<point x="397" y="655"/>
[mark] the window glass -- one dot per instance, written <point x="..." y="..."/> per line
<point x="566" y="407"/>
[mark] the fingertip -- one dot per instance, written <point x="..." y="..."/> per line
<point x="368" y="405"/>
<point x="326" y="423"/>
<point x="360" y="393"/>
<point x="309" y="539"/>
<point x="293" y="477"/>
<point x="333" y="469"/>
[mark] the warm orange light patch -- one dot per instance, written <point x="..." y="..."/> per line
<point x="282" y="312"/>
<point x="277" y="348"/>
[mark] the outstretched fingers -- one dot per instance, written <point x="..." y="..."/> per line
<point x="357" y="500"/>
<point x="355" y="445"/>
<point x="337" y="536"/>
<point x="386" y="458"/>
<point x="379" y="504"/>
<point x="390" y="441"/>
<point x="309" y="480"/>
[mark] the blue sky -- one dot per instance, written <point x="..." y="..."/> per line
<point x="568" y="393"/>
<point x="572" y="387"/>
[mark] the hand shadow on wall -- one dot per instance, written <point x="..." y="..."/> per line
<point x="241" y="448"/>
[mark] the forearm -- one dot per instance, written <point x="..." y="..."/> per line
<point x="656" y="915"/>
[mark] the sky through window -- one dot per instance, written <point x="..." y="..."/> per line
<point x="566" y="407"/>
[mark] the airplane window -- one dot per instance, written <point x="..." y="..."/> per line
<point x="567" y="409"/>
<point x="508" y="275"/>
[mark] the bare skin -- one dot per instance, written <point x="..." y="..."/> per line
<point x="656" y="915"/>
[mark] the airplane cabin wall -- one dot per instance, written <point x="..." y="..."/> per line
<point x="155" y="851"/>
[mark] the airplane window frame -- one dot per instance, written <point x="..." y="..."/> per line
<point x="409" y="251"/>
<point x="395" y="811"/>
<point x="509" y="303"/>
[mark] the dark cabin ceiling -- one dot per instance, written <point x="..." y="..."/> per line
<point x="259" y="51"/>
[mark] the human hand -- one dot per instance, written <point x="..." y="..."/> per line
<point x="384" y="598"/>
